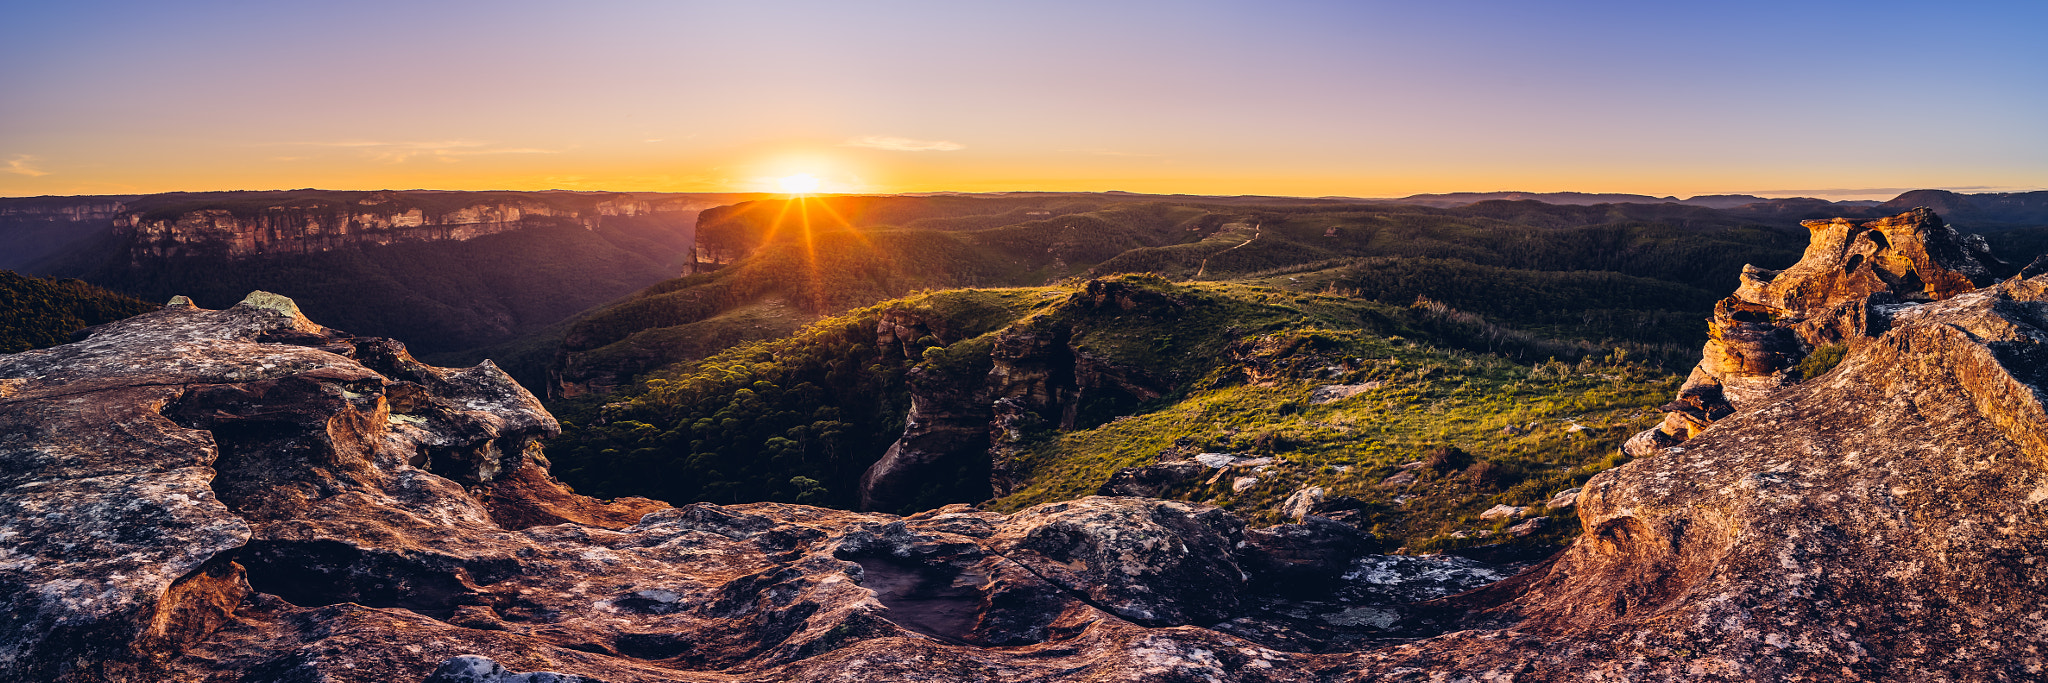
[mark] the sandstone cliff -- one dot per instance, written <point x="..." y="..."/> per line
<point x="328" y="221"/>
<point x="1834" y="296"/>
<point x="34" y="228"/>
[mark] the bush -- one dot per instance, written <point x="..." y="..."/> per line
<point x="1822" y="360"/>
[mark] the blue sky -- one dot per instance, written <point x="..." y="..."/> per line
<point x="1303" y="98"/>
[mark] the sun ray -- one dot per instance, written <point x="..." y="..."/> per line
<point x="811" y="267"/>
<point x="826" y="206"/>
<point x="775" y="226"/>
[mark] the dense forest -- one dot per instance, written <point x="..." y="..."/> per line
<point x="41" y="313"/>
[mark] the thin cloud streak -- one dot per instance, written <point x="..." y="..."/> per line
<point x="19" y="165"/>
<point x="903" y="144"/>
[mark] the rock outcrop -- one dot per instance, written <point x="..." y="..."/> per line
<point x="947" y="422"/>
<point x="1886" y="521"/>
<point x="244" y="495"/>
<point x="1832" y="297"/>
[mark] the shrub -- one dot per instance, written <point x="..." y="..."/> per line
<point x="1822" y="360"/>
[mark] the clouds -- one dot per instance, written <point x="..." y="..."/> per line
<point x="886" y="143"/>
<point x="444" y="150"/>
<point x="23" y="164"/>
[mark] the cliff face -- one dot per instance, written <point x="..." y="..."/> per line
<point x="32" y="229"/>
<point x="311" y="225"/>
<point x="80" y="210"/>
<point x="1037" y="377"/>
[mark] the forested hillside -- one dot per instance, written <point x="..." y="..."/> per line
<point x="1608" y="274"/>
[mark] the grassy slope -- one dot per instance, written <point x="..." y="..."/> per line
<point x="833" y="271"/>
<point x="1519" y="417"/>
<point x="748" y="423"/>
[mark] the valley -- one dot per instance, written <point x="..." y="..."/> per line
<point x="1124" y="476"/>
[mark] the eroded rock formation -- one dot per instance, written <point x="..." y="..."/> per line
<point x="1832" y="296"/>
<point x="1887" y="521"/>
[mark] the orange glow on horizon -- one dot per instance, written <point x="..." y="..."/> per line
<point x="799" y="184"/>
<point x="790" y="167"/>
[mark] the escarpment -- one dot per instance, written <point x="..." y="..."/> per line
<point x="1831" y="298"/>
<point x="315" y="224"/>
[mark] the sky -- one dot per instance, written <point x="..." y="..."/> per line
<point x="1844" y="100"/>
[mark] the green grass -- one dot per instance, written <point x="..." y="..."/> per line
<point x="1519" y="418"/>
<point x="1235" y="364"/>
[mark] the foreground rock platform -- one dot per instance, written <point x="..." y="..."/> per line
<point x="245" y="496"/>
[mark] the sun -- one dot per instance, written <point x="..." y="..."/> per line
<point x="801" y="183"/>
